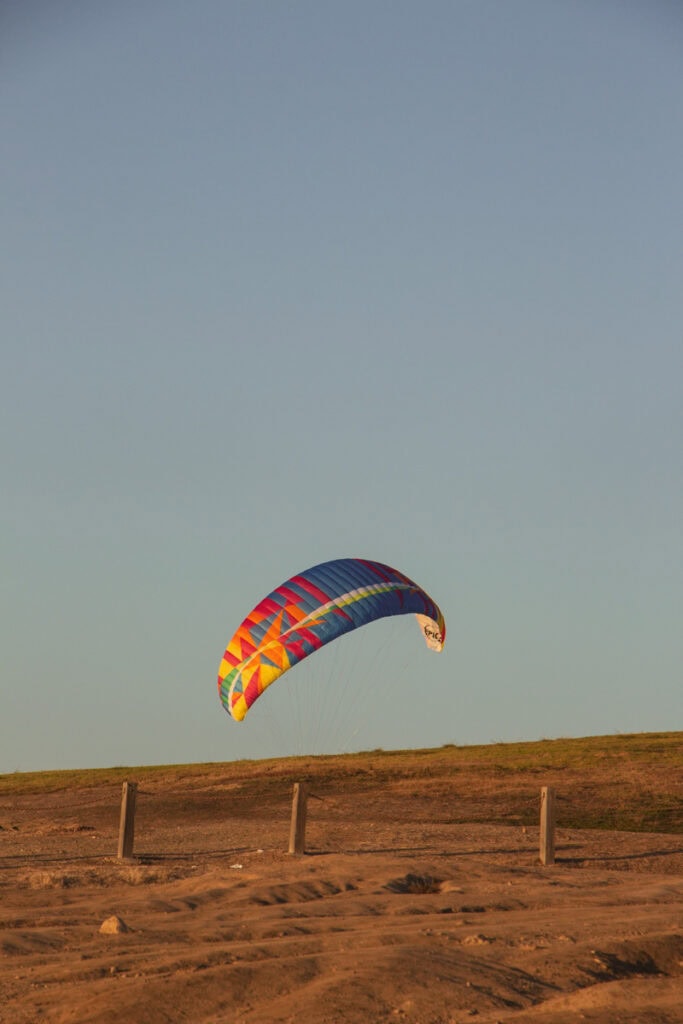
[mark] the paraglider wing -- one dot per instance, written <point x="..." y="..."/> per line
<point x="307" y="612"/>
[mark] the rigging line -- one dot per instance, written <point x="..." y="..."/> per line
<point x="344" y="692"/>
<point x="363" y="671"/>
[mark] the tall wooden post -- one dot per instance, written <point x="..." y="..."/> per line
<point x="127" y="826"/>
<point x="547" y="836"/>
<point x="297" y="831"/>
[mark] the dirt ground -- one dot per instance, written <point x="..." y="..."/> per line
<point x="417" y="921"/>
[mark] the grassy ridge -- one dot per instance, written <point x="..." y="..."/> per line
<point x="630" y="782"/>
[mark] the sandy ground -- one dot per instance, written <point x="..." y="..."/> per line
<point x="419" y="922"/>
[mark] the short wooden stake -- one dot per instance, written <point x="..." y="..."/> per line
<point x="547" y="837"/>
<point x="127" y="826"/>
<point x="297" y="831"/>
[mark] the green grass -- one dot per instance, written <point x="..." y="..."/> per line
<point x="625" y="782"/>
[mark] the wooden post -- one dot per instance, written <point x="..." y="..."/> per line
<point x="297" y="831"/>
<point x="547" y="837"/>
<point x="127" y="826"/>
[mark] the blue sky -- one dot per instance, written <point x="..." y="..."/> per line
<point x="284" y="282"/>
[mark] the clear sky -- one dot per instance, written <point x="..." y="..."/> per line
<point x="283" y="282"/>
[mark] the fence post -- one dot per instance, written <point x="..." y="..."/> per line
<point x="547" y="833"/>
<point x="127" y="826"/>
<point x="297" y="830"/>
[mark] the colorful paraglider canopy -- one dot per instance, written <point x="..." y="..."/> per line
<point x="308" y="611"/>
